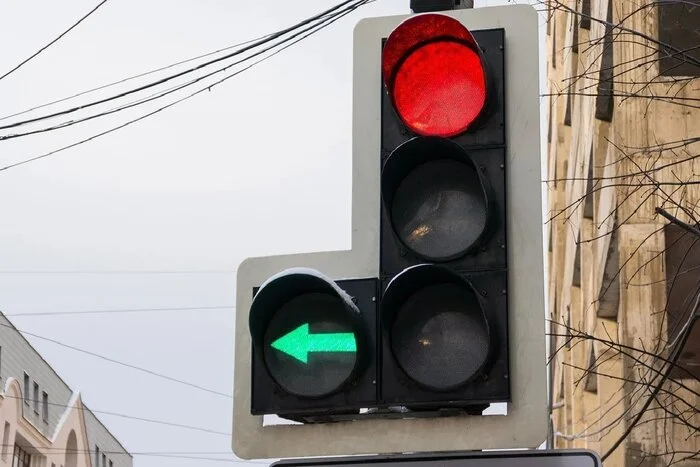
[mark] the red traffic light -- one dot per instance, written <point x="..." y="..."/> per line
<point x="435" y="75"/>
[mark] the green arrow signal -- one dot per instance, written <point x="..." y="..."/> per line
<point x="299" y="343"/>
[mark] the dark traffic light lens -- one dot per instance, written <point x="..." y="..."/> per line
<point x="310" y="347"/>
<point x="439" y="210"/>
<point x="436" y="327"/>
<point x="439" y="336"/>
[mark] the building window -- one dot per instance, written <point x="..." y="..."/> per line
<point x="569" y="103"/>
<point x="576" y="280"/>
<point x="678" y="29"/>
<point x="26" y="388"/>
<point x="97" y="456"/>
<point x="110" y="464"/>
<point x="554" y="41"/>
<point x="590" y="187"/>
<point x="586" y="14"/>
<point x="604" y="99"/>
<point x="0" y="362"/>
<point x="21" y="458"/>
<point x="682" y="256"/>
<point x="45" y="406"/>
<point x="609" y="295"/>
<point x="104" y="460"/>
<point x="5" y="440"/>
<point x="36" y="397"/>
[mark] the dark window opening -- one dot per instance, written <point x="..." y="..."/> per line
<point x="549" y="128"/>
<point x="574" y="45"/>
<point x="26" y="389"/>
<point x="569" y="103"/>
<point x="588" y="202"/>
<point x="682" y="257"/>
<point x="609" y="297"/>
<point x="36" y="397"/>
<point x="554" y="42"/>
<point x="20" y="457"/>
<point x="576" y="281"/>
<point x="679" y="28"/>
<point x="604" y="99"/>
<point x="586" y="14"/>
<point x="591" y="381"/>
<point x="44" y="406"/>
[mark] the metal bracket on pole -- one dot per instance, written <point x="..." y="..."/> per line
<point x="425" y="6"/>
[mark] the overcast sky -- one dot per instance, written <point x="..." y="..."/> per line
<point x="160" y="214"/>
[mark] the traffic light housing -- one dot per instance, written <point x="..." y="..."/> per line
<point x="443" y="256"/>
<point x="348" y="338"/>
<point x="314" y="355"/>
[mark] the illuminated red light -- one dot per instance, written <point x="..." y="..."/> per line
<point x="434" y="74"/>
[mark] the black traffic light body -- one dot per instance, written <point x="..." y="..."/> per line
<point x="270" y="397"/>
<point x="484" y="266"/>
<point x="430" y="333"/>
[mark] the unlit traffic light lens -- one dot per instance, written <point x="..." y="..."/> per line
<point x="437" y="328"/>
<point x="439" y="209"/>
<point x="436" y="200"/>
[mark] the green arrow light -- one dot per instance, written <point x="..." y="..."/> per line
<point x="299" y="343"/>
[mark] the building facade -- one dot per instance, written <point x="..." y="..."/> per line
<point x="623" y="141"/>
<point x="43" y="422"/>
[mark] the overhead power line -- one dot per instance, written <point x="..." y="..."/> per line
<point x="135" y="418"/>
<point x="335" y="10"/>
<point x="310" y="30"/>
<point x="23" y="62"/>
<point x="135" y="272"/>
<point x="124" y="310"/>
<point x="195" y="455"/>
<point x="127" y="365"/>
<point x="133" y="77"/>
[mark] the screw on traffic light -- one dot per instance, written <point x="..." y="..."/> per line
<point x="443" y="263"/>
<point x="430" y="333"/>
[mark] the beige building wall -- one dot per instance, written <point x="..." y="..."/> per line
<point x="23" y="445"/>
<point x="613" y="158"/>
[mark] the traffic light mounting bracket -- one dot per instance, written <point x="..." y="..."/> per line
<point x="525" y="424"/>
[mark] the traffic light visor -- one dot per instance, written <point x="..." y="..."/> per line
<point x="434" y="73"/>
<point x="309" y="333"/>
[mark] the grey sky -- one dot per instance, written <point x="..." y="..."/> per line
<point x="260" y="165"/>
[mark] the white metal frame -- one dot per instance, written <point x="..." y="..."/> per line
<point x="525" y="425"/>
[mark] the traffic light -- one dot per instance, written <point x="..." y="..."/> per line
<point x="443" y="256"/>
<point x="313" y="346"/>
<point x="437" y="310"/>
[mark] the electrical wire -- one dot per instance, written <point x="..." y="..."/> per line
<point x="196" y="455"/>
<point x="133" y="77"/>
<point x="144" y="272"/>
<point x="324" y="19"/>
<point x="160" y="94"/>
<point x="240" y="51"/>
<point x="127" y="365"/>
<point x="133" y="417"/>
<point x="121" y="310"/>
<point x="160" y="109"/>
<point x="22" y="63"/>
